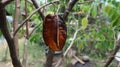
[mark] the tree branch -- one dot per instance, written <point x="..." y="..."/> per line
<point x="111" y="57"/>
<point x="34" y="29"/>
<point x="24" y="21"/>
<point x="67" y="11"/>
<point x="15" y="25"/>
<point x="39" y="11"/>
<point x="27" y="23"/>
<point x="24" y="61"/>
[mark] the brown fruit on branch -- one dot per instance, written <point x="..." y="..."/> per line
<point x="54" y="32"/>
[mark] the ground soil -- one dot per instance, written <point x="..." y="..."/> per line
<point x="6" y="64"/>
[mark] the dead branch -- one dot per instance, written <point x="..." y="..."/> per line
<point x="111" y="57"/>
<point x="78" y="59"/>
<point x="24" y="21"/>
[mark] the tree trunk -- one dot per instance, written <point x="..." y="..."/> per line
<point x="24" y="62"/>
<point x="9" y="39"/>
<point x="49" y="60"/>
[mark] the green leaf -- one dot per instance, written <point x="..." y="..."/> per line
<point x="10" y="8"/>
<point x="81" y="46"/>
<point x="94" y="11"/>
<point x="108" y="9"/>
<point x="114" y="21"/>
<point x="50" y="12"/>
<point x="84" y="23"/>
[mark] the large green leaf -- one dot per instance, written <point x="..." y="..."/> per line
<point x="10" y="8"/>
<point x="94" y="11"/>
<point x="84" y="23"/>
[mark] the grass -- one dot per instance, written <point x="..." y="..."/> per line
<point x="4" y="51"/>
<point x="35" y="56"/>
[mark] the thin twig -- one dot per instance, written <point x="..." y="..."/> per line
<point x="24" y="21"/>
<point x="27" y="23"/>
<point x="78" y="59"/>
<point x="75" y="34"/>
<point x="34" y="29"/>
